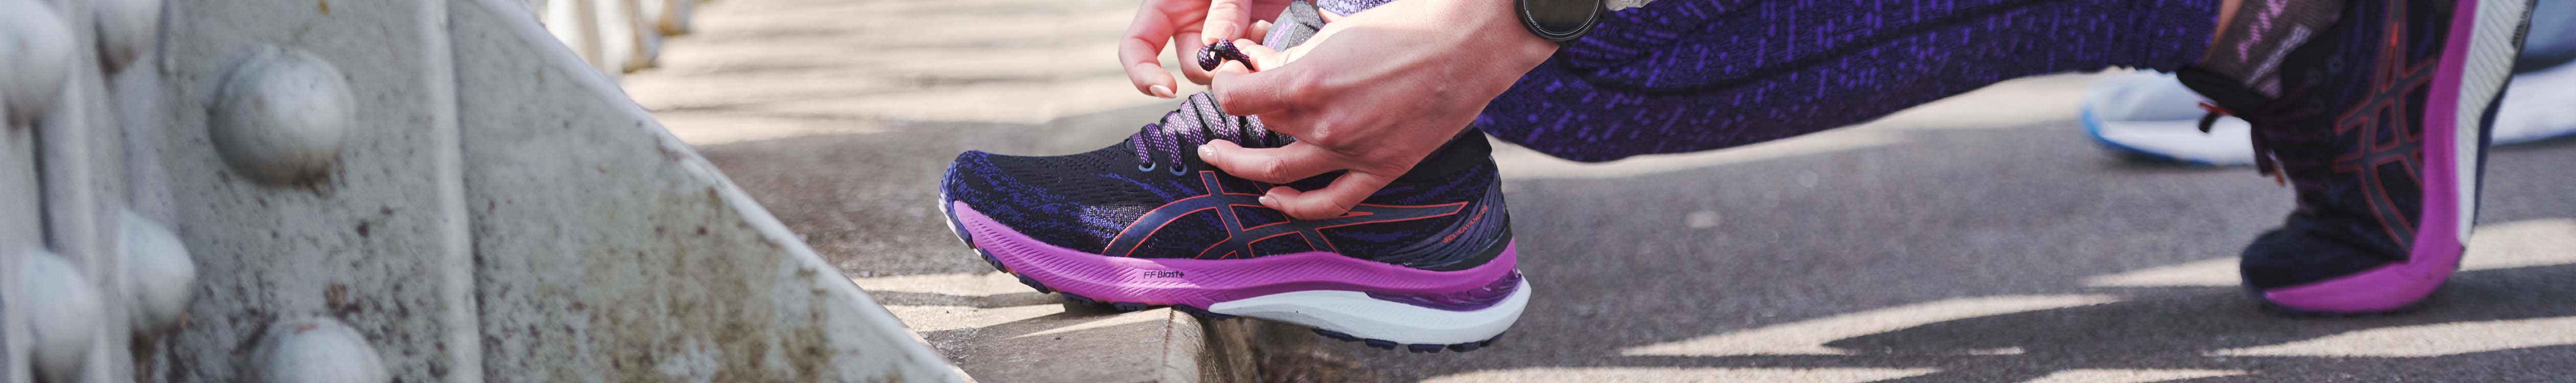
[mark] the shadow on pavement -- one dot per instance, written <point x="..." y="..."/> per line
<point x="1742" y="246"/>
<point x="1747" y="253"/>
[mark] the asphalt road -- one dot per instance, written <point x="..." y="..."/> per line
<point x="1981" y="239"/>
<point x="1914" y="250"/>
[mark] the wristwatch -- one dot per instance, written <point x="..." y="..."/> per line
<point x="1559" y="21"/>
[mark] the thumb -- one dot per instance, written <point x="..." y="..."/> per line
<point x="1280" y="165"/>
<point x="1262" y="56"/>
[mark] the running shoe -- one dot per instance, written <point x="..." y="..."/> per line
<point x="2154" y="118"/>
<point x="2381" y="128"/>
<point x="1426" y="263"/>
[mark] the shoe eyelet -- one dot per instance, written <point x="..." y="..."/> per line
<point x="1147" y="166"/>
<point x="1180" y="170"/>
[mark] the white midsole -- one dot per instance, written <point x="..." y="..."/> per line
<point x="1357" y="314"/>
<point x="2490" y="63"/>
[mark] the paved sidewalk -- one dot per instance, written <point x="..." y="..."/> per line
<point x="1980" y="239"/>
<point x="770" y="69"/>
<point x="840" y="115"/>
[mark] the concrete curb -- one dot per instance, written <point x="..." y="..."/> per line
<point x="994" y="329"/>
<point x="1185" y="345"/>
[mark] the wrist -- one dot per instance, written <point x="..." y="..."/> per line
<point x="1559" y="21"/>
<point x="1501" y="27"/>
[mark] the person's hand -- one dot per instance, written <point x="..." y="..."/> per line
<point x="1371" y="93"/>
<point x="1186" y="25"/>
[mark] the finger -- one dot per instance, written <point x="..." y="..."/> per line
<point x="1226" y="20"/>
<point x="1262" y="56"/>
<point x="1246" y="93"/>
<point x="1140" y="50"/>
<point x="1331" y="201"/>
<point x="1279" y="165"/>
<point x="1260" y="31"/>
<point x="1185" y="48"/>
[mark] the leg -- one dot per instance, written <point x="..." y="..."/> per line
<point x="1748" y="72"/>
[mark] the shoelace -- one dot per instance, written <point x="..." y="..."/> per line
<point x="2268" y="161"/>
<point x="1217" y="54"/>
<point x="2263" y="153"/>
<point x="1197" y="121"/>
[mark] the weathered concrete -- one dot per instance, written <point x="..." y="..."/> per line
<point x="616" y="36"/>
<point x="998" y="330"/>
<point x="609" y="251"/>
<point x="277" y="190"/>
<point x="845" y="143"/>
<point x="375" y="240"/>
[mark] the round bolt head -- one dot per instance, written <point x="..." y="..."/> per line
<point x="62" y="310"/>
<point x="316" y="350"/>
<point x="158" y="271"/>
<point x="281" y="117"/>
<point x="125" y="29"/>
<point x="36" y="48"/>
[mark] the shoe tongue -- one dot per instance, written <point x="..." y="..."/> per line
<point x="1197" y="121"/>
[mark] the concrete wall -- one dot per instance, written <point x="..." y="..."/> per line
<point x="414" y="190"/>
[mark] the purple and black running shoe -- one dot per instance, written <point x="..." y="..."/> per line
<point x="2381" y="127"/>
<point x="1426" y="263"/>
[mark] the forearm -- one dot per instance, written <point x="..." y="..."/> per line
<point x="1631" y="32"/>
<point x="1616" y="5"/>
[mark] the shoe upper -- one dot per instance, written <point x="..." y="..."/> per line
<point x="1150" y="197"/>
<point x="2347" y="133"/>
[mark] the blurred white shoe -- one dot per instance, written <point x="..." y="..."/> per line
<point x="2538" y="106"/>
<point x="2151" y="116"/>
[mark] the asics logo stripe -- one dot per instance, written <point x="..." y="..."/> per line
<point x="1239" y="239"/>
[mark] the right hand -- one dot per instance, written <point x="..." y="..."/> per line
<point x="1186" y="25"/>
<point x="1371" y="94"/>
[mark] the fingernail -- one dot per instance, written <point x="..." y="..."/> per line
<point x="1161" y="91"/>
<point x="1265" y="200"/>
<point x="1205" y="152"/>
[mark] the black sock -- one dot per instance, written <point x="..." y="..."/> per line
<point x="2249" y="49"/>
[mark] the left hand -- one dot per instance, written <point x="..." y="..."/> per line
<point x="1186" y="25"/>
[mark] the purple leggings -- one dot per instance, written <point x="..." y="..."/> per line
<point x="1692" y="75"/>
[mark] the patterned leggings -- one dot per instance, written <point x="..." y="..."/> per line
<point x="1692" y="75"/>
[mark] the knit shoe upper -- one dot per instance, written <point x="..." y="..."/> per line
<point x="1150" y="197"/>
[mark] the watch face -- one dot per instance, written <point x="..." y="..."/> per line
<point x="1560" y="20"/>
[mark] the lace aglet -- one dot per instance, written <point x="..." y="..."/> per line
<point x="2212" y="118"/>
<point x="2264" y="163"/>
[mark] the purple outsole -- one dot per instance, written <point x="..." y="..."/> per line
<point x="1203" y="314"/>
<point x="1201" y="282"/>
<point x="2277" y="308"/>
